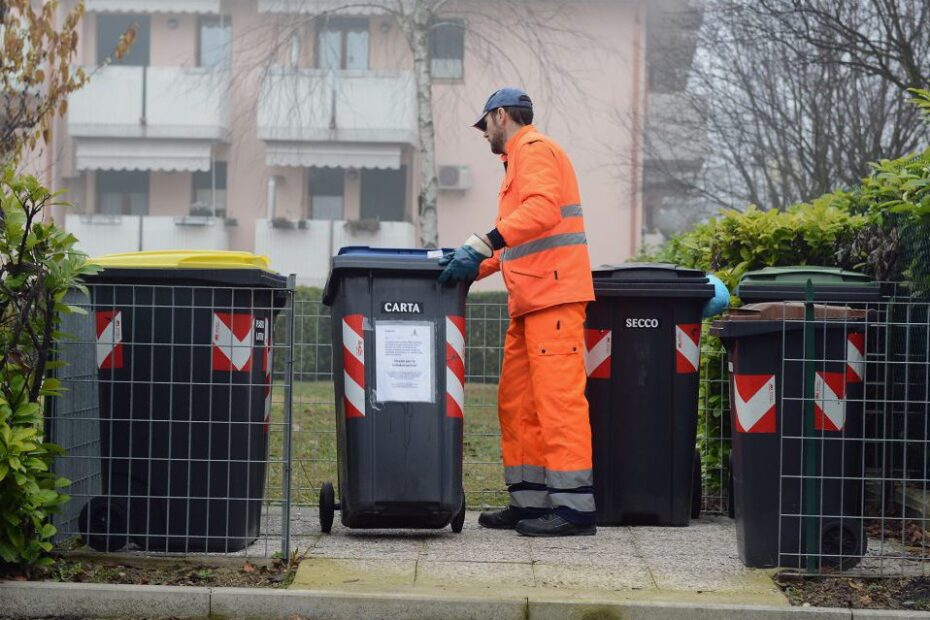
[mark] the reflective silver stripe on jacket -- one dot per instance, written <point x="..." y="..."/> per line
<point x="569" y="479"/>
<point x="572" y="211"/>
<point x="541" y="245"/>
<point x="516" y="474"/>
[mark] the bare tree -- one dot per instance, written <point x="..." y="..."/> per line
<point x="799" y="95"/>
<point x="528" y="25"/>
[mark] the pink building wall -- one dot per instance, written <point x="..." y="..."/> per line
<point x="584" y="104"/>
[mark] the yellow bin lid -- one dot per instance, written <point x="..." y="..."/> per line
<point x="183" y="259"/>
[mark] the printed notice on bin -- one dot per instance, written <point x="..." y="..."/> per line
<point x="404" y="361"/>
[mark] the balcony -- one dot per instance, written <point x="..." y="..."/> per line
<point x="310" y="105"/>
<point x="307" y="248"/>
<point x="675" y="131"/>
<point x="108" y="234"/>
<point x="152" y="102"/>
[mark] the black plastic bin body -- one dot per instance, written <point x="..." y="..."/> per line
<point x="642" y="354"/>
<point x="771" y="471"/>
<point x="184" y="417"/>
<point x="400" y="461"/>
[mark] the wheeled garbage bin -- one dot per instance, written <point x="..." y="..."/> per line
<point x="797" y="419"/>
<point x="183" y="347"/>
<point x="831" y="285"/>
<point x="399" y="372"/>
<point x="643" y="336"/>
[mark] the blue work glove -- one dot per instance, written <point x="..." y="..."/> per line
<point x="721" y="299"/>
<point x="462" y="265"/>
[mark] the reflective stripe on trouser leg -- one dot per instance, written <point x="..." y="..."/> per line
<point x="555" y="342"/>
<point x="521" y="435"/>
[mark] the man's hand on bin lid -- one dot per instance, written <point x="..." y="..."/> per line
<point x="721" y="299"/>
<point x="462" y="265"/>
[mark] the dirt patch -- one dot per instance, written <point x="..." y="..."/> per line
<point x="911" y="593"/>
<point x="275" y="573"/>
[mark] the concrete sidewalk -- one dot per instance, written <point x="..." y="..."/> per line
<point x="696" y="564"/>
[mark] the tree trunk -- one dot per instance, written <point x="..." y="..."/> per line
<point x="427" y="192"/>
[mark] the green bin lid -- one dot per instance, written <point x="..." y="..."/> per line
<point x="189" y="267"/>
<point x="651" y="280"/>
<point x="831" y="284"/>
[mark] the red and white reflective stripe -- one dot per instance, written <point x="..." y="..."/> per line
<point x="687" y="348"/>
<point x="855" y="358"/>
<point x="267" y="365"/>
<point x="109" y="339"/>
<point x="597" y="350"/>
<point x="455" y="366"/>
<point x="754" y="401"/>
<point x="353" y="362"/>
<point x="829" y="401"/>
<point x="233" y="339"/>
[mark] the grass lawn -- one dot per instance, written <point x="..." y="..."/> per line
<point x="313" y="444"/>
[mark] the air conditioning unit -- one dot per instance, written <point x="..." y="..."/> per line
<point x="454" y="178"/>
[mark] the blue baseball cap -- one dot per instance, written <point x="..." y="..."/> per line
<point x="504" y="98"/>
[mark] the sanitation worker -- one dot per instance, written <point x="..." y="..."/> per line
<point x="539" y="244"/>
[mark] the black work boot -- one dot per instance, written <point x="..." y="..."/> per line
<point x="505" y="519"/>
<point x="554" y="525"/>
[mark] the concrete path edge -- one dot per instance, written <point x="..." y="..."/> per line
<point x="44" y="599"/>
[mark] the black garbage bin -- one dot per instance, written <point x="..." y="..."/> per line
<point x="643" y="336"/>
<point x="183" y="347"/>
<point x="399" y="372"/>
<point x="797" y="453"/>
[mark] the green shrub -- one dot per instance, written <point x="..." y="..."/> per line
<point x="38" y="266"/>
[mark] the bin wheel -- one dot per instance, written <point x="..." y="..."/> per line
<point x="842" y="544"/>
<point x="458" y="521"/>
<point x="731" y="489"/>
<point x="103" y="524"/>
<point x="327" y="507"/>
<point x="697" y="486"/>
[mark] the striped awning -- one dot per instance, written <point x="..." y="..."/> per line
<point x="333" y="155"/>
<point x="318" y="7"/>
<point x="142" y="154"/>
<point x="154" y="6"/>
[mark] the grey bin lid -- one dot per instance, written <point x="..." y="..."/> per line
<point x="651" y="279"/>
<point x="364" y="259"/>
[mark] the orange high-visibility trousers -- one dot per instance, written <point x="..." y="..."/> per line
<point x="545" y="429"/>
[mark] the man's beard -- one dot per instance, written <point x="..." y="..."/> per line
<point x="497" y="145"/>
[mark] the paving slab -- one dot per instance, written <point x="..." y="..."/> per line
<point x="489" y="576"/>
<point x="333" y="573"/>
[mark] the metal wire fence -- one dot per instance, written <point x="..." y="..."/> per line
<point x="820" y="424"/>
<point x="166" y="420"/>
<point x="198" y="420"/>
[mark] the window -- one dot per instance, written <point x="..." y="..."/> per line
<point x="447" y="49"/>
<point x="209" y="191"/>
<point x="215" y="42"/>
<point x="327" y="191"/>
<point x="109" y="30"/>
<point x="121" y="192"/>
<point x="343" y="44"/>
<point x="384" y="195"/>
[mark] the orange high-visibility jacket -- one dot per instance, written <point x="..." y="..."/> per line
<point x="539" y="216"/>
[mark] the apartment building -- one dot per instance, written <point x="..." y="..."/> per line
<point x="289" y="127"/>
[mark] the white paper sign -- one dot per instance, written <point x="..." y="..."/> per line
<point x="404" y="361"/>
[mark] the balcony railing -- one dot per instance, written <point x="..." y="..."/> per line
<point x="310" y="105"/>
<point x="108" y="234"/>
<point x="152" y="102"/>
<point x="305" y="247"/>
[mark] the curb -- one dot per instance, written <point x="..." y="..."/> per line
<point x="44" y="599"/>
